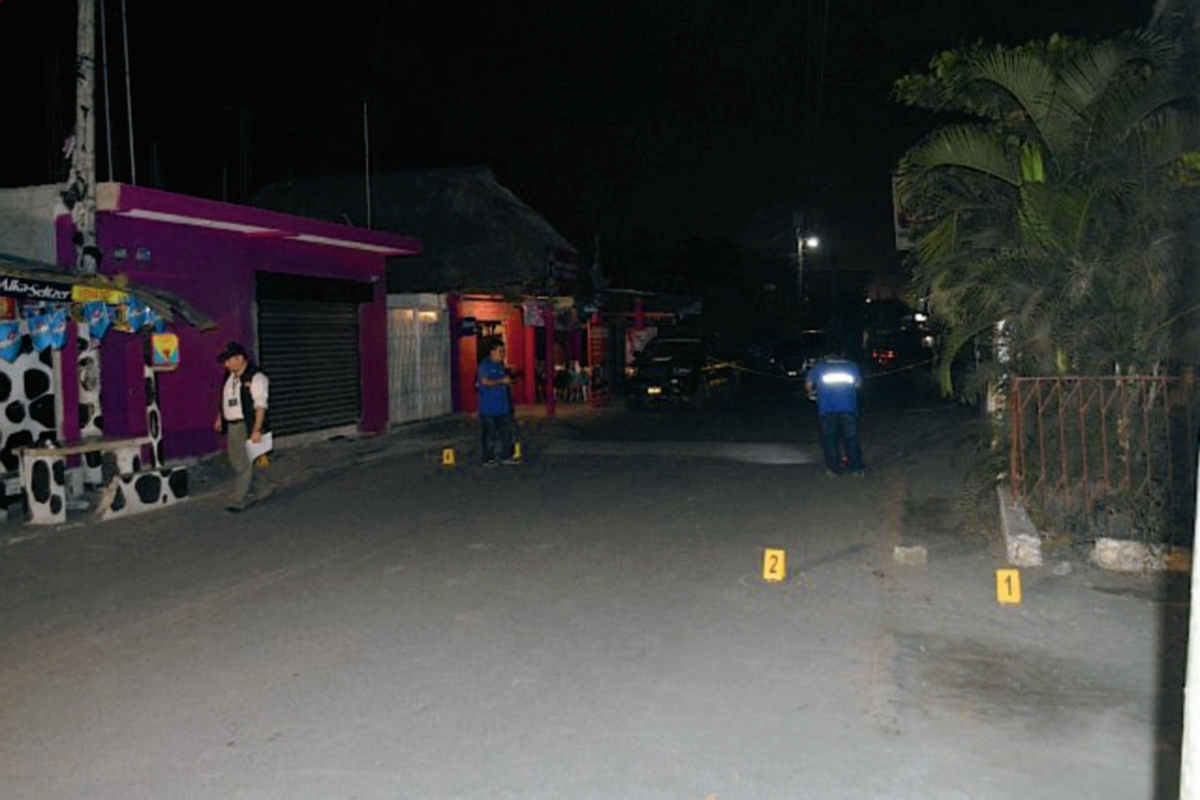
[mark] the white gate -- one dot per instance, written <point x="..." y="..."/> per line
<point x="418" y="357"/>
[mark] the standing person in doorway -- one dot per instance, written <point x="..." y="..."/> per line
<point x="836" y="381"/>
<point x="495" y="406"/>
<point x="243" y="419"/>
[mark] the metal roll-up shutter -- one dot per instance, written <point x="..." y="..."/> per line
<point x="309" y="349"/>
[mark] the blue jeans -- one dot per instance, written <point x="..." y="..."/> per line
<point x="839" y="434"/>
<point x="497" y="436"/>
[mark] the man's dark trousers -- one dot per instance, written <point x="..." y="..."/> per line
<point x="838" y="430"/>
<point x="497" y="436"/>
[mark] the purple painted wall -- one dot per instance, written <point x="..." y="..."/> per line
<point x="214" y="270"/>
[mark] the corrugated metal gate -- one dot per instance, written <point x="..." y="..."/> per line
<point x="418" y="358"/>
<point x="309" y="348"/>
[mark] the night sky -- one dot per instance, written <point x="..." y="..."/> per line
<point x="679" y="130"/>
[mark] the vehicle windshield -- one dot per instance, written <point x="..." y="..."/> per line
<point x="808" y="345"/>
<point x="674" y="349"/>
<point x="805" y="344"/>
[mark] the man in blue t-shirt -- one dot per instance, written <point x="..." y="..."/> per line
<point x="495" y="407"/>
<point x="836" y="381"/>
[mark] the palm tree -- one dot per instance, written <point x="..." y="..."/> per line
<point x="1054" y="205"/>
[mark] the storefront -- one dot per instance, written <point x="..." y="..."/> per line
<point x="306" y="297"/>
<point x="419" y="364"/>
<point x="52" y="325"/>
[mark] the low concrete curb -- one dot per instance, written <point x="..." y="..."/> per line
<point x="1022" y="542"/>
<point x="1023" y="545"/>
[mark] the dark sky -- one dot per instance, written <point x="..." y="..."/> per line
<point x="669" y="126"/>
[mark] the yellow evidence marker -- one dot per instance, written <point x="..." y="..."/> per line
<point x="1008" y="586"/>
<point x="448" y="457"/>
<point x="774" y="565"/>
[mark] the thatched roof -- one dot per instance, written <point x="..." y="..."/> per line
<point x="476" y="234"/>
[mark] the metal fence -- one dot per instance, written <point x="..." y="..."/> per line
<point x="1105" y="456"/>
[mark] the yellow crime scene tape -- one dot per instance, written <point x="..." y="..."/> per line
<point x="741" y="368"/>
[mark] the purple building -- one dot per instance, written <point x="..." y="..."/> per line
<point x="307" y="297"/>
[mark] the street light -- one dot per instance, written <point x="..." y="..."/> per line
<point x="803" y="243"/>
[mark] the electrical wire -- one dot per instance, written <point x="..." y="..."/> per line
<point x="812" y="173"/>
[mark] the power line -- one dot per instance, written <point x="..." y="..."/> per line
<point x="820" y="100"/>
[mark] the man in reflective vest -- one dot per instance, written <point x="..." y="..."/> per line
<point x="836" y="381"/>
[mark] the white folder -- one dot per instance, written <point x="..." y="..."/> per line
<point x="265" y="446"/>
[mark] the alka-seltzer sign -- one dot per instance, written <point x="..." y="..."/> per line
<point x="11" y="286"/>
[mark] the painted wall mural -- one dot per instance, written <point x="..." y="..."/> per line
<point x="91" y="420"/>
<point x="27" y="397"/>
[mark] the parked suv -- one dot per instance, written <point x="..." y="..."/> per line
<point x="681" y="369"/>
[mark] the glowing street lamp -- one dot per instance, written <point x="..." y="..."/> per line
<point x="803" y="243"/>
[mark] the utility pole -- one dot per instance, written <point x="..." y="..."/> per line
<point x="244" y="149"/>
<point x="107" y="103"/>
<point x="128" y="97"/>
<point x="803" y="242"/>
<point x="367" y="167"/>
<point x="80" y="194"/>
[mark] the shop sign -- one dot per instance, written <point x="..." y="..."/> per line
<point x="164" y="351"/>
<point x="531" y="313"/>
<point x="89" y="294"/>
<point x="11" y="286"/>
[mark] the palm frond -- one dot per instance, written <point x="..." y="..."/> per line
<point x="966" y="148"/>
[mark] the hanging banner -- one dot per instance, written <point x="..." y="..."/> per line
<point x="97" y="318"/>
<point x="10" y="340"/>
<point x="58" y="328"/>
<point x="130" y="315"/>
<point x="40" y="331"/>
<point x="30" y="310"/>
<point x="636" y="341"/>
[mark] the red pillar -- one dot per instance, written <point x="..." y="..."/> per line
<point x="529" y="381"/>
<point x="454" y="309"/>
<point x="548" y="317"/>
<point x="518" y="356"/>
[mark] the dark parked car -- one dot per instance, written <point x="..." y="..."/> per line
<point x="681" y="369"/>
<point x="794" y="356"/>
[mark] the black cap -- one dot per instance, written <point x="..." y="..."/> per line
<point x="230" y="350"/>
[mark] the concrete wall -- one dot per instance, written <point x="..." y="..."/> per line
<point x="27" y="222"/>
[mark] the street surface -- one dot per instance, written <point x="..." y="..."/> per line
<point x="592" y="624"/>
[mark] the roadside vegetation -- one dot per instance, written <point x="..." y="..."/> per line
<point x="1054" y="220"/>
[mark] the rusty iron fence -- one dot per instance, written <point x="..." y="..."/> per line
<point x="1102" y="456"/>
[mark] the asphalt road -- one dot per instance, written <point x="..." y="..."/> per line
<point x="592" y="624"/>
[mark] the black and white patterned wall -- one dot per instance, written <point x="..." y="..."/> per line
<point x="27" y="397"/>
<point x="91" y="419"/>
<point x="153" y="417"/>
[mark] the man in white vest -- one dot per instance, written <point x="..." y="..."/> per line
<point x="244" y="421"/>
